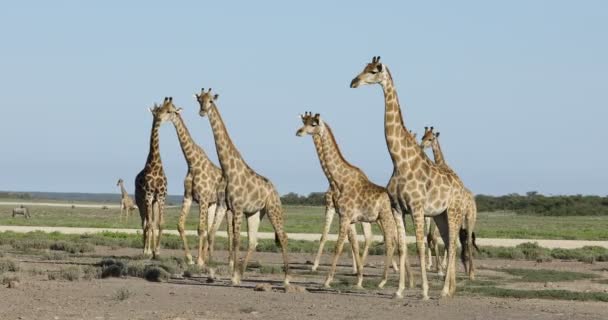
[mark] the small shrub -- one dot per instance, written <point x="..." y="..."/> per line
<point x="8" y="265"/>
<point x="156" y="274"/>
<point x="72" y="247"/>
<point x="6" y="279"/>
<point x="122" y="294"/>
<point x="72" y="273"/>
<point x="192" y="270"/>
<point x="136" y="268"/>
<point x="270" y="269"/>
<point x="91" y="272"/>
<point x="112" y="268"/>
<point x="54" y="255"/>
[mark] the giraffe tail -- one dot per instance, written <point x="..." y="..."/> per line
<point x="474" y="243"/>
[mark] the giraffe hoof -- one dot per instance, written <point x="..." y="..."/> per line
<point x="397" y="295"/>
<point x="359" y="287"/>
<point x="425" y="298"/>
<point x="327" y="284"/>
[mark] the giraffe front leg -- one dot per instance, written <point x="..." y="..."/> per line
<point x="276" y="217"/>
<point x="369" y="237"/>
<point x="418" y="217"/>
<point x="230" y="230"/>
<point x="388" y="229"/>
<point x="181" y="227"/>
<point x="353" y="229"/>
<point x="160" y="223"/>
<point x="149" y="226"/>
<point x="344" y="225"/>
<point x="330" y="212"/>
<point x="352" y="237"/>
<point x="236" y="239"/>
<point x="202" y="232"/>
<point x="220" y="213"/>
<point x="402" y="248"/>
<point x="253" y="224"/>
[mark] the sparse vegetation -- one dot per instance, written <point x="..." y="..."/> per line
<point x="8" y="265"/>
<point x="536" y="294"/>
<point x="71" y="273"/>
<point x="7" y="278"/>
<point x="156" y="274"/>
<point x="545" y="275"/>
<point x="122" y="294"/>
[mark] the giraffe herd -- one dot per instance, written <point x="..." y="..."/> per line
<point x="425" y="189"/>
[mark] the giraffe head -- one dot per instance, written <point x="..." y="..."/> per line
<point x="206" y="100"/>
<point x="119" y="182"/>
<point x="428" y="138"/>
<point x="374" y="72"/>
<point x="165" y="112"/>
<point x="310" y="124"/>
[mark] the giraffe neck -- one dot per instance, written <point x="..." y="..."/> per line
<point x="341" y="172"/>
<point x="437" y="153"/>
<point x="401" y="143"/>
<point x="190" y="149"/>
<point x="230" y="158"/>
<point x="123" y="191"/>
<point x="154" y="153"/>
<point x="316" y="138"/>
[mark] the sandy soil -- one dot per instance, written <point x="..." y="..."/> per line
<point x="36" y="297"/>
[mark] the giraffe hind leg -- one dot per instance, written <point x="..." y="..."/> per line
<point x="276" y="217"/>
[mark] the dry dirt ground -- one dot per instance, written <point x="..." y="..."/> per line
<point x="37" y="297"/>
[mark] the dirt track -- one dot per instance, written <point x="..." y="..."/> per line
<point x="40" y="298"/>
<point x="566" y="244"/>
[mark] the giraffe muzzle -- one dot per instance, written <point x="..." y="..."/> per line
<point x="354" y="83"/>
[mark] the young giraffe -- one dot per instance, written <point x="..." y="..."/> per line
<point x="330" y="212"/>
<point x="151" y="186"/>
<point x="430" y="139"/>
<point x="203" y="184"/>
<point x="417" y="185"/>
<point x="126" y="203"/>
<point x="432" y="234"/>
<point x="247" y="193"/>
<point x="357" y="199"/>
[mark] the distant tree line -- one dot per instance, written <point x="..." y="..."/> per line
<point x="530" y="203"/>
<point x="534" y="203"/>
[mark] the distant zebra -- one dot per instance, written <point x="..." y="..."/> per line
<point x="22" y="210"/>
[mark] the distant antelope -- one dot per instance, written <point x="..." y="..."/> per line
<point x="21" y="210"/>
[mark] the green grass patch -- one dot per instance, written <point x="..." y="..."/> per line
<point x="544" y="275"/>
<point x="310" y="219"/>
<point x="532" y="251"/>
<point x="536" y="294"/>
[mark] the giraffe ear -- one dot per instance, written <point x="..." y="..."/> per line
<point x="437" y="135"/>
<point x="151" y="110"/>
<point x="178" y="110"/>
<point x="216" y="96"/>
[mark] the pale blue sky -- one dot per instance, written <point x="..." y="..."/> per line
<point x="518" y="89"/>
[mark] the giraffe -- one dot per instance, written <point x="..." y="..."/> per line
<point x="417" y="186"/>
<point x="126" y="203"/>
<point x="203" y="184"/>
<point x="356" y="198"/>
<point x="151" y="185"/>
<point x="330" y="211"/>
<point x="247" y="192"/>
<point x="432" y="234"/>
<point x="430" y="139"/>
